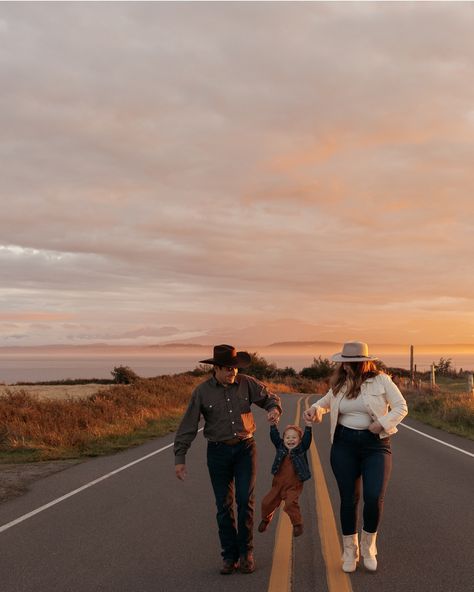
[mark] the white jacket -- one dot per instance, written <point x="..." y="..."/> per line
<point x="382" y="399"/>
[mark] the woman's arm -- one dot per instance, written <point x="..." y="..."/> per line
<point x="317" y="410"/>
<point x="396" y="401"/>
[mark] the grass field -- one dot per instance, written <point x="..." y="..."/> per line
<point x="57" y="392"/>
<point x="39" y="423"/>
<point x="34" y="428"/>
<point x="449" y="406"/>
<point x="457" y="384"/>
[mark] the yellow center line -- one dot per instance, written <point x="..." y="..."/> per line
<point x="280" y="576"/>
<point x="337" y="580"/>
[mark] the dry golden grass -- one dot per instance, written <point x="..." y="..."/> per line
<point x="32" y="428"/>
<point x="449" y="411"/>
<point x="63" y="422"/>
<point x="57" y="392"/>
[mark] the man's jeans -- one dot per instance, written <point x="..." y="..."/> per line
<point x="360" y="455"/>
<point x="232" y="472"/>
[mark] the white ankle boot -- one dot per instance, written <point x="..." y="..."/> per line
<point x="350" y="556"/>
<point x="368" y="550"/>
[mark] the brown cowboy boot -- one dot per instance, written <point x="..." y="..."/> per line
<point x="228" y="567"/>
<point x="247" y="564"/>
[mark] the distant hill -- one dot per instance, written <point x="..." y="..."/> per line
<point x="315" y="348"/>
<point x="331" y="347"/>
<point x="289" y="345"/>
<point x="179" y="346"/>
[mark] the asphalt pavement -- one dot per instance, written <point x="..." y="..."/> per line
<point x="130" y="527"/>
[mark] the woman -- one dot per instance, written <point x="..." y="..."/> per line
<point x="365" y="407"/>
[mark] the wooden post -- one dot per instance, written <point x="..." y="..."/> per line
<point x="470" y="384"/>
<point x="433" y="376"/>
<point x="412" y="369"/>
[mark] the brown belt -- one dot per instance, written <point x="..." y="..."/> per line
<point x="234" y="441"/>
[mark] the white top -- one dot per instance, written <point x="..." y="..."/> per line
<point x="382" y="398"/>
<point x="353" y="414"/>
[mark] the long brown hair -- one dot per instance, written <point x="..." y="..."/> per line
<point x="356" y="374"/>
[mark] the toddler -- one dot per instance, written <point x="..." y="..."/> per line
<point x="290" y="469"/>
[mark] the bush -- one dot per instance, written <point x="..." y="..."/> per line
<point x="200" y="370"/>
<point x="124" y="375"/>
<point x="320" y="368"/>
<point x="444" y="367"/>
<point x="282" y="373"/>
<point x="260" y="368"/>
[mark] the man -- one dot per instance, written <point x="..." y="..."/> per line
<point x="224" y="401"/>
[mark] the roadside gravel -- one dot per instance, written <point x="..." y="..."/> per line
<point x="15" y="479"/>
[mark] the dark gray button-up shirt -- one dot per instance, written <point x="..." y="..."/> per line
<point x="226" y="411"/>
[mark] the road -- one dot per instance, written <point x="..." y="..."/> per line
<point x="124" y="523"/>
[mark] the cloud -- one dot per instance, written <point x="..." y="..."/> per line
<point x="19" y="317"/>
<point x="208" y="167"/>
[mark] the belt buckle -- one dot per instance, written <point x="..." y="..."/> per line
<point x="232" y="441"/>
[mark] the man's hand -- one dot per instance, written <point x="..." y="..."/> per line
<point x="273" y="416"/>
<point x="375" y="427"/>
<point x="180" y="471"/>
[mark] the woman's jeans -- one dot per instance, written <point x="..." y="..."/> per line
<point x="232" y="472"/>
<point x="359" y="455"/>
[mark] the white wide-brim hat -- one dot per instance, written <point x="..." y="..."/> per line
<point x="353" y="351"/>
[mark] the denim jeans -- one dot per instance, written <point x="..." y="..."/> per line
<point x="359" y="455"/>
<point x="232" y="472"/>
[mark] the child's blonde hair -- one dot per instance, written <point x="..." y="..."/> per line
<point x="294" y="427"/>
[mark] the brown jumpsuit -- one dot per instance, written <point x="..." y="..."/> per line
<point x="285" y="486"/>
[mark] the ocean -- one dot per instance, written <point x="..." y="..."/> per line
<point x="30" y="368"/>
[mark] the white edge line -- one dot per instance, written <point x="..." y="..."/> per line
<point x="436" y="440"/>
<point x="79" y="489"/>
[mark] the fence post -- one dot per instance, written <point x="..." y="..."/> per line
<point x="470" y="384"/>
<point x="433" y="376"/>
<point x="412" y="372"/>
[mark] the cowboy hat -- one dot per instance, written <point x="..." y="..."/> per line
<point x="226" y="355"/>
<point x="353" y="351"/>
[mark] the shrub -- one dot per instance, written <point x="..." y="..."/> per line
<point x="320" y="368"/>
<point x="444" y="367"/>
<point x="260" y="368"/>
<point x="282" y="373"/>
<point x="200" y="370"/>
<point x="124" y="375"/>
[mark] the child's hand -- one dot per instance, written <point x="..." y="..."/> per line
<point x="308" y="423"/>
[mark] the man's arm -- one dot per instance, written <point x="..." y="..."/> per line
<point x="180" y="471"/>
<point x="185" y="434"/>
<point x="261" y="396"/>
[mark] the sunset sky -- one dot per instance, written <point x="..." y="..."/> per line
<point x="236" y="172"/>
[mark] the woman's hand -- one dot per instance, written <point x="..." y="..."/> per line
<point x="309" y="414"/>
<point x="375" y="427"/>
